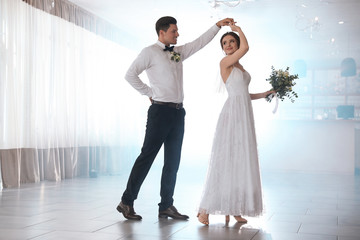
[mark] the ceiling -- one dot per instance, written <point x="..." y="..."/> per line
<point x="290" y="29"/>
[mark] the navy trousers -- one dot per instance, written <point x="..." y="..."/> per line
<point x="165" y="125"/>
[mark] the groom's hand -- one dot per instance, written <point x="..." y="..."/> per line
<point x="224" y="22"/>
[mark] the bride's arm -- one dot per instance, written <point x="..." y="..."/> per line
<point x="230" y="60"/>
<point x="255" y="96"/>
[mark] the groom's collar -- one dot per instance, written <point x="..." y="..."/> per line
<point x="160" y="44"/>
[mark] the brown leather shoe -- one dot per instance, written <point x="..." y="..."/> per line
<point x="128" y="212"/>
<point x="173" y="213"/>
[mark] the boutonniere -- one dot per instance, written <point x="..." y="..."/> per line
<point x="175" y="56"/>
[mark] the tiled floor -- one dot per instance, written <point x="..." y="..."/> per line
<point x="298" y="206"/>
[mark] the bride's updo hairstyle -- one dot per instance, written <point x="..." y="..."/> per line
<point x="237" y="39"/>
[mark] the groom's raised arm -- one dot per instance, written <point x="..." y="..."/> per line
<point x="190" y="48"/>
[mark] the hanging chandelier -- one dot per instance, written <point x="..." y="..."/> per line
<point x="229" y="3"/>
<point x="305" y="20"/>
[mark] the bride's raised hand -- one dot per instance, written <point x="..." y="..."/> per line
<point x="234" y="27"/>
<point x="224" y="22"/>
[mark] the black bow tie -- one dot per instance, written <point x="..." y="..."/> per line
<point x="170" y="49"/>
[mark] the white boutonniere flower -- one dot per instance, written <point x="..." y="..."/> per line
<point x="175" y="56"/>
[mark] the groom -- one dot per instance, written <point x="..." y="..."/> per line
<point x="165" y="122"/>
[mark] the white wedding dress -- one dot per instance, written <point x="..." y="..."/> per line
<point x="233" y="184"/>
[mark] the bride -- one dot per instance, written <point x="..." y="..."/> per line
<point x="233" y="184"/>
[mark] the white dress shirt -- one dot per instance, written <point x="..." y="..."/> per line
<point x="165" y="75"/>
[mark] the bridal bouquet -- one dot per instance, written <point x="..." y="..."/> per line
<point x="282" y="83"/>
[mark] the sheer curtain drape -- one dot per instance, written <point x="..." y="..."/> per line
<point x="80" y="17"/>
<point x="64" y="105"/>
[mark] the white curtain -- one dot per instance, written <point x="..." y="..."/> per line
<point x="65" y="108"/>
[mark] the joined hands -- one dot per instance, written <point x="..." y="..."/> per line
<point x="225" y="22"/>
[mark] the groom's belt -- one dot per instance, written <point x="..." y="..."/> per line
<point x="169" y="104"/>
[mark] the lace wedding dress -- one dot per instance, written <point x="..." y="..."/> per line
<point x="233" y="184"/>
